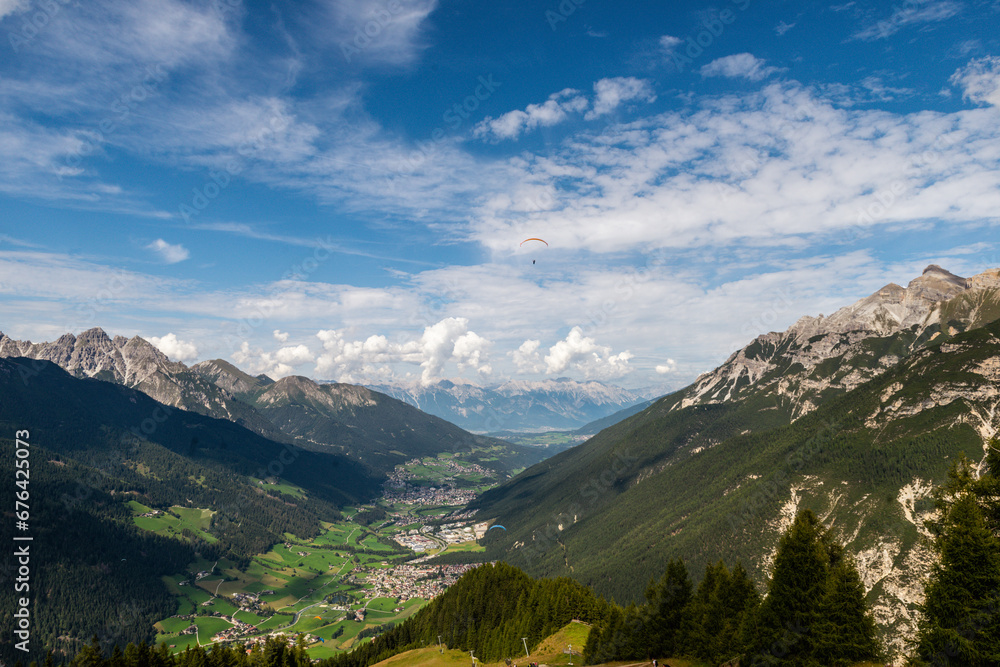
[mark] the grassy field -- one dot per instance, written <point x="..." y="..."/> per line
<point x="281" y="486"/>
<point x="174" y="521"/>
<point x="300" y="577"/>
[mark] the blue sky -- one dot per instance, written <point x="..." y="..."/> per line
<point x="339" y="188"/>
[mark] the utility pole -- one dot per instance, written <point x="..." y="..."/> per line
<point x="525" y="640"/>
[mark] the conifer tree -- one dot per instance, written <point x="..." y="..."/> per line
<point x="789" y="615"/>
<point x="961" y="611"/>
<point x="815" y="612"/>
<point x="846" y="631"/>
<point x="667" y="599"/>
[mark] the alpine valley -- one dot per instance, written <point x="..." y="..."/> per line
<point x="856" y="416"/>
<point x="269" y="497"/>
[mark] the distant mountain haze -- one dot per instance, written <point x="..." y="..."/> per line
<point x="348" y="419"/>
<point x="516" y="405"/>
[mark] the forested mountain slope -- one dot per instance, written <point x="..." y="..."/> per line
<point x="859" y="437"/>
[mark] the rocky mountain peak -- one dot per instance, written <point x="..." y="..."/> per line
<point x="933" y="286"/>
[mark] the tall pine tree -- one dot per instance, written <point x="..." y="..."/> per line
<point x="961" y="611"/>
<point x="814" y="612"/>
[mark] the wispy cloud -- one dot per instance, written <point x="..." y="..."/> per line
<point x="787" y="157"/>
<point x="782" y="28"/>
<point x="365" y="32"/>
<point x="554" y="110"/>
<point x="8" y="7"/>
<point x="739" y="66"/>
<point x="910" y="13"/>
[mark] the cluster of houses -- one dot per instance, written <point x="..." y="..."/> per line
<point x="410" y="581"/>
<point x="152" y="513"/>
<point x="429" y="495"/>
<point x="239" y="629"/>
<point x="397" y="490"/>
<point x="248" y="602"/>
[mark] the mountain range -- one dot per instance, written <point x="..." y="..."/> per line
<point x="517" y="405"/>
<point x="856" y="416"/>
<point x="365" y="425"/>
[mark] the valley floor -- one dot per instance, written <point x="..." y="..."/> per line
<point x="340" y="587"/>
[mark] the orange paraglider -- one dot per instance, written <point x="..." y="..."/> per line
<point x="533" y="239"/>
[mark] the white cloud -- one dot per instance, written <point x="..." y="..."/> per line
<point x="526" y="358"/>
<point x="447" y="341"/>
<point x="583" y="353"/>
<point x="276" y="364"/>
<point x="782" y="28"/>
<point x="668" y="43"/>
<point x="669" y="367"/>
<point x="805" y="169"/>
<point x="10" y="6"/>
<point x="910" y="13"/>
<point x="554" y="110"/>
<point x="611" y="93"/>
<point x="739" y="65"/>
<point x="280" y="336"/>
<point x="979" y="81"/>
<point x="377" y="32"/>
<point x="175" y="348"/>
<point x="171" y="254"/>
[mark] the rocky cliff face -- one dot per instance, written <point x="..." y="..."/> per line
<point x="136" y="363"/>
<point x="820" y="357"/>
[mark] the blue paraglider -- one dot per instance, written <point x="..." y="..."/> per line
<point x="497" y="526"/>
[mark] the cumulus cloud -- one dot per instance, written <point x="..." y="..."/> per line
<point x="171" y="254"/>
<point x="611" y="93"/>
<point x="739" y="65"/>
<point x="280" y="336"/>
<point x="669" y="367"/>
<point x="980" y="81"/>
<point x="447" y="341"/>
<point x="277" y="363"/>
<point x="175" y="348"/>
<point x="554" y="110"/>
<point x="526" y="357"/>
<point x="583" y="353"/>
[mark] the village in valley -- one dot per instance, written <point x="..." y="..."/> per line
<point x="343" y="587"/>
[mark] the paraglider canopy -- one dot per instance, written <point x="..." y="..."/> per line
<point x="497" y="526"/>
<point x="534" y="239"/>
